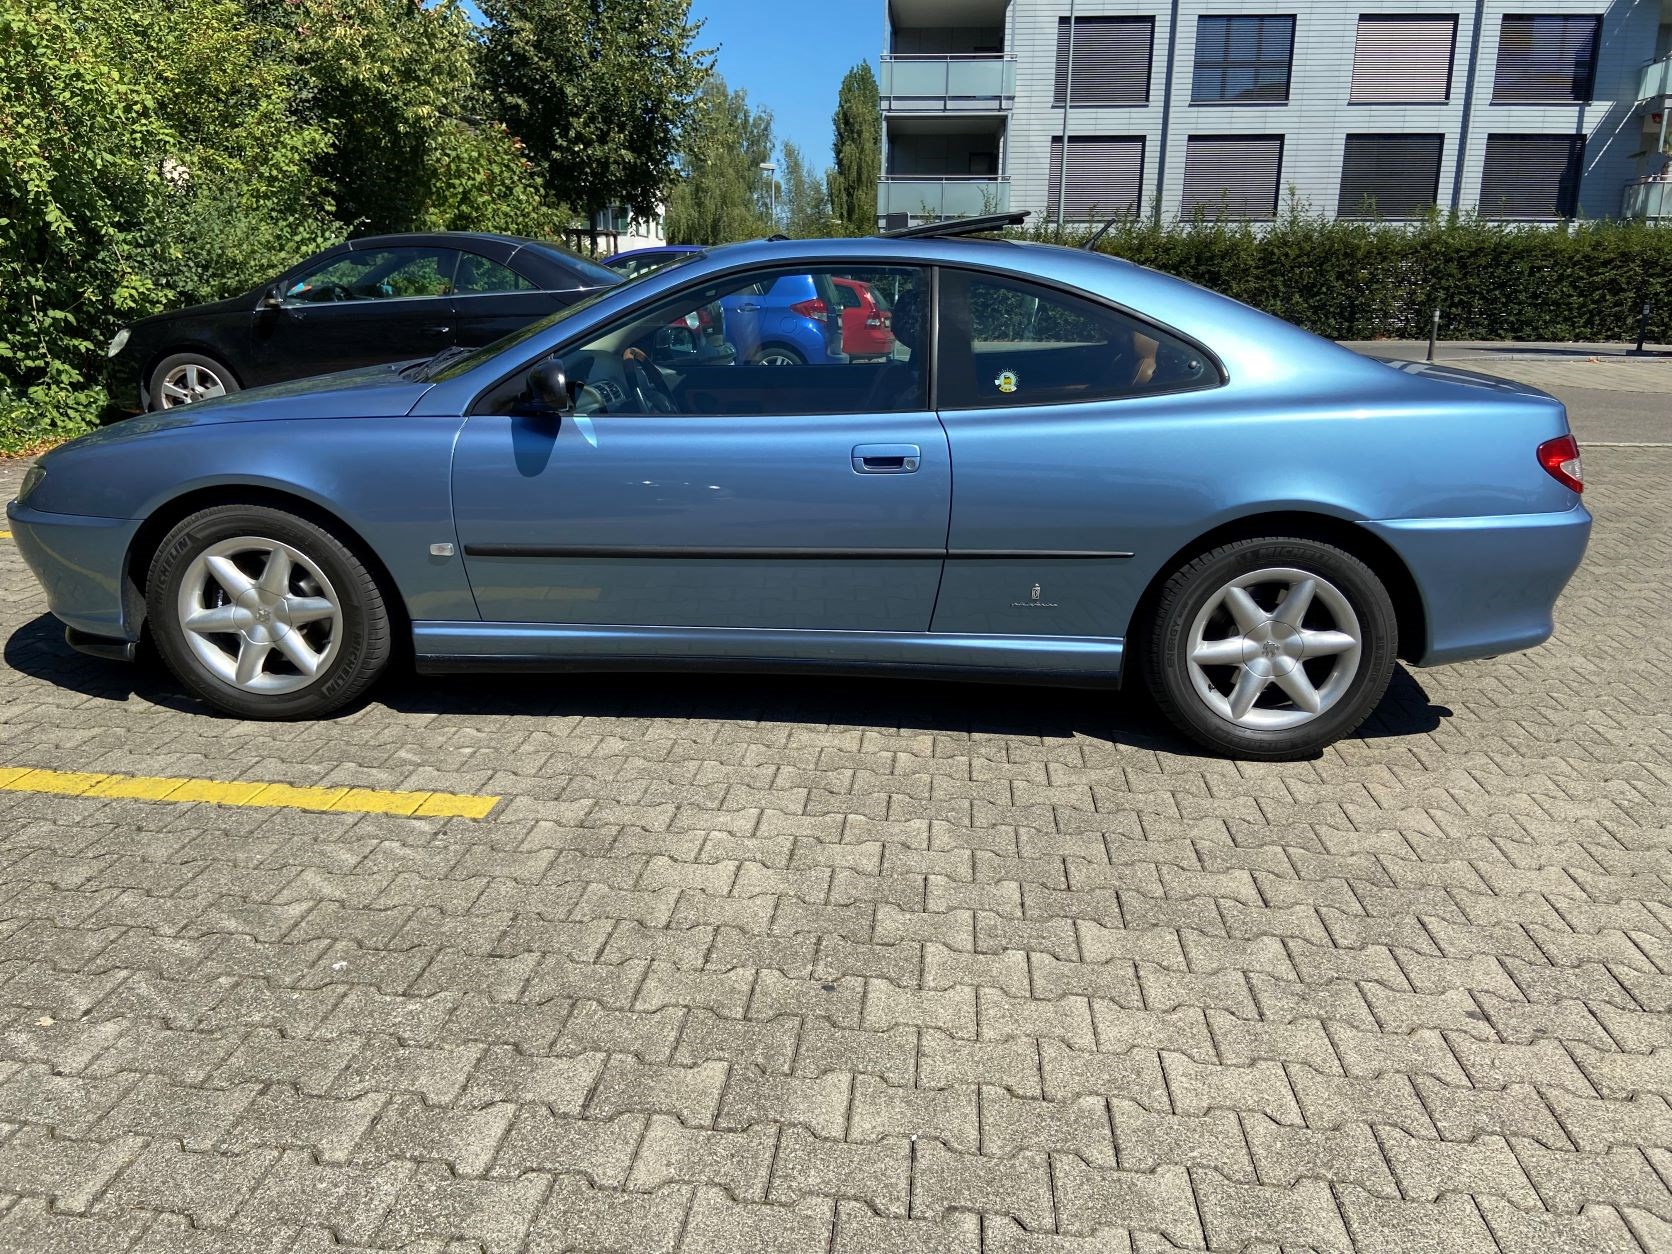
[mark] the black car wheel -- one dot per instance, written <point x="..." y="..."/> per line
<point x="1271" y="648"/>
<point x="183" y="378"/>
<point x="266" y="615"/>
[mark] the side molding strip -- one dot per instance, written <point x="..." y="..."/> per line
<point x="627" y="550"/>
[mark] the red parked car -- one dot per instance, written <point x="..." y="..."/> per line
<point x="866" y="319"/>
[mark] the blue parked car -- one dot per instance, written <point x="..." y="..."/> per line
<point x="1069" y="470"/>
<point x="788" y="324"/>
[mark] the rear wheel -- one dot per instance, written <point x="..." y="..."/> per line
<point x="188" y="377"/>
<point x="266" y="615"/>
<point x="778" y="355"/>
<point x="1271" y="648"/>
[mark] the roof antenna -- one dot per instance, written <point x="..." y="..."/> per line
<point x="1091" y="244"/>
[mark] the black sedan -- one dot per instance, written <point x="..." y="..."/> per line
<point x="379" y="299"/>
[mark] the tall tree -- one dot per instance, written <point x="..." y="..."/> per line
<point x="858" y="151"/>
<point x="722" y="193"/>
<point x="804" y="203"/>
<point x="601" y="91"/>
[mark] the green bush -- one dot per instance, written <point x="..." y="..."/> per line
<point x="1585" y="281"/>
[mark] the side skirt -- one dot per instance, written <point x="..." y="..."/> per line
<point x="443" y="648"/>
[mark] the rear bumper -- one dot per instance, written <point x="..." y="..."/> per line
<point x="79" y="562"/>
<point x="1488" y="585"/>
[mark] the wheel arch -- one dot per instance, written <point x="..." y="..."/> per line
<point x="162" y="519"/>
<point x="1383" y="560"/>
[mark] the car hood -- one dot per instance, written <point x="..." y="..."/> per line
<point x="369" y="392"/>
<point x="244" y="302"/>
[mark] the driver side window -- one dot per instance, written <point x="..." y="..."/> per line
<point x="779" y="342"/>
<point x="376" y="274"/>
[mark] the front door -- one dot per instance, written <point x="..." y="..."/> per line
<point x="693" y="489"/>
<point x="359" y="309"/>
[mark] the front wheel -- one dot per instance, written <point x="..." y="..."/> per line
<point x="186" y="378"/>
<point x="1271" y="648"/>
<point x="266" y="615"/>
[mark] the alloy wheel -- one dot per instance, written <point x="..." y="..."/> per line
<point x="1274" y="649"/>
<point x="190" y="381"/>
<point x="259" y="615"/>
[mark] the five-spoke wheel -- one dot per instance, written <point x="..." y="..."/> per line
<point x="186" y="378"/>
<point x="265" y="614"/>
<point x="1271" y="648"/>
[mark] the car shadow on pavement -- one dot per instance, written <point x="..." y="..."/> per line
<point x="38" y="649"/>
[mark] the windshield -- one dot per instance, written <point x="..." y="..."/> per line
<point x="590" y="273"/>
<point x="444" y="366"/>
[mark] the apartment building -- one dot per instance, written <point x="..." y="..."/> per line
<point x="1526" y="110"/>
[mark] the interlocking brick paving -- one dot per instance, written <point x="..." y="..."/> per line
<point x="774" y="964"/>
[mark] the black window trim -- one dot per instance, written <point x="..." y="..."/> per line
<point x="1288" y="81"/>
<point x="1451" y="61"/>
<point x="1222" y="377"/>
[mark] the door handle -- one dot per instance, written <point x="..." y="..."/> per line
<point x="886" y="459"/>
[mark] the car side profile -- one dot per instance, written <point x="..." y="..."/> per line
<point x="366" y="301"/>
<point x="1068" y="470"/>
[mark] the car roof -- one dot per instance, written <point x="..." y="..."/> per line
<point x="409" y="238"/>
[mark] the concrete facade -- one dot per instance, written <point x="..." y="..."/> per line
<point x="1619" y="126"/>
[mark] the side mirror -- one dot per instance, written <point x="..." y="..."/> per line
<point x="272" y="300"/>
<point x="548" y="388"/>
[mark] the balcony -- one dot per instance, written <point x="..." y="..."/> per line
<point x="1648" y="200"/>
<point x="949" y="83"/>
<point x="928" y="197"/>
<point x="1656" y="81"/>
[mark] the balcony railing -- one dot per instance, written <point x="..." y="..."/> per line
<point x="976" y="82"/>
<point x="951" y="196"/>
<point x="1657" y="80"/>
<point x="1648" y="200"/>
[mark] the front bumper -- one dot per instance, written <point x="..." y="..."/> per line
<point x="80" y="563"/>
<point x="1488" y="585"/>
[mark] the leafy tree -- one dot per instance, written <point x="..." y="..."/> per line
<point x="602" y="91"/>
<point x="804" y="202"/>
<point x="858" y="151"/>
<point x="722" y="193"/>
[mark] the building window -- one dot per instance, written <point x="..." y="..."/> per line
<point x="1390" y="176"/>
<point x="1546" y="60"/>
<point x="1111" y="60"/>
<point x="1403" y="60"/>
<point x="1243" y="60"/>
<point x="1531" y="176"/>
<point x="1232" y="176"/>
<point x="1105" y="176"/>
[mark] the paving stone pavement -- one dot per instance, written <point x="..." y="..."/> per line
<point x="777" y="965"/>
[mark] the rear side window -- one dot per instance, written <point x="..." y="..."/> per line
<point x="478" y="276"/>
<point x="1007" y="342"/>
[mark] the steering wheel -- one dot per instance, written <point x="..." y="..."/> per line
<point x="339" y="292"/>
<point x="649" y="387"/>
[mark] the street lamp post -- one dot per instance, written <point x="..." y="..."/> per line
<point x="771" y="171"/>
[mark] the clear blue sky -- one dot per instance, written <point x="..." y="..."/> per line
<point x="790" y="55"/>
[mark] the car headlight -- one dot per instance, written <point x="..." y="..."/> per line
<point x="31" y="480"/>
<point x="117" y="343"/>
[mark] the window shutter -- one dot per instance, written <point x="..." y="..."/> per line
<point x="1232" y="176"/>
<point x="1390" y="176"/>
<point x="1531" y="176"/>
<point x="1105" y="175"/>
<point x="1546" y="59"/>
<point x="1403" y="60"/>
<point x="1111" y="61"/>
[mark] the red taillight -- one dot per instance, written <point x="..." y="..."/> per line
<point x="1560" y="457"/>
<point x="814" y="308"/>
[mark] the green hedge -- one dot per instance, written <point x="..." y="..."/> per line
<point x="1587" y="281"/>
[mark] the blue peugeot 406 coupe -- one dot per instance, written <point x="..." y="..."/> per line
<point x="1067" y="470"/>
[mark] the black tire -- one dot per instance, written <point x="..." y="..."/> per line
<point x="1165" y="643"/>
<point x="791" y="356"/>
<point x="175" y="361"/>
<point x="361" y="652"/>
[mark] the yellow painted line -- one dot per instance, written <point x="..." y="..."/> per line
<point x="271" y="796"/>
<point x="5" y="535"/>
